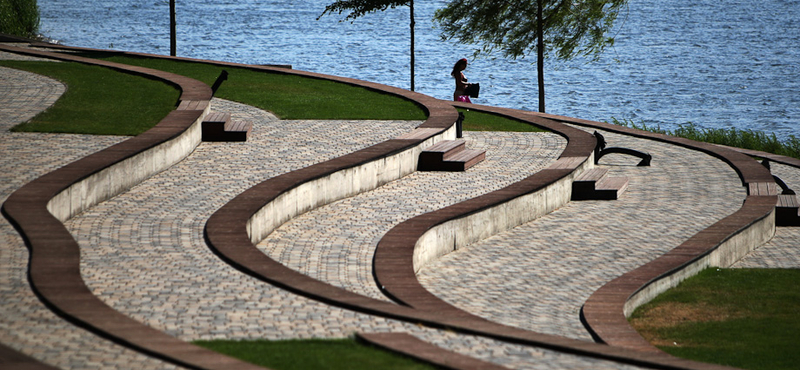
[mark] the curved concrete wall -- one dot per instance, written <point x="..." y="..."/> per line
<point x="121" y="176"/>
<point x="605" y="312"/>
<point x="317" y="192"/>
<point x="461" y="232"/>
<point x="724" y="255"/>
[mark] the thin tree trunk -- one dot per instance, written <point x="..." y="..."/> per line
<point x="540" y="52"/>
<point x="412" y="44"/>
<point x="172" y="31"/>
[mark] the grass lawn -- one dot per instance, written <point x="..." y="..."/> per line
<point x="106" y="102"/>
<point x="332" y="354"/>
<point x="99" y="100"/>
<point x="747" y="318"/>
<point x="288" y="96"/>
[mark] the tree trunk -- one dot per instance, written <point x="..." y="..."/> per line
<point x="540" y="52"/>
<point x="411" y="4"/>
<point x="172" y="32"/>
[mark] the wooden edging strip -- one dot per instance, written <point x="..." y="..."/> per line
<point x="11" y="359"/>
<point x="59" y="269"/>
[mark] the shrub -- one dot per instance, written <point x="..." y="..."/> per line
<point x="746" y="139"/>
<point x="19" y="17"/>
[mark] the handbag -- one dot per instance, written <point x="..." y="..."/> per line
<point x="473" y="90"/>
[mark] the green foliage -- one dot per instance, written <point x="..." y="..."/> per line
<point x="359" y="8"/>
<point x="570" y="28"/>
<point x="746" y="318"/>
<point x="19" y="17"/>
<point x="99" y="100"/>
<point x="745" y="139"/>
<point x="639" y="126"/>
<point x="312" y="354"/>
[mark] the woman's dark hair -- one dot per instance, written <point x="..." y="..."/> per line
<point x="462" y="61"/>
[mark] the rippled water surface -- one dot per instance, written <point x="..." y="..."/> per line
<point x="730" y="63"/>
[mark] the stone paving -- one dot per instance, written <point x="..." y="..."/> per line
<point x="143" y="252"/>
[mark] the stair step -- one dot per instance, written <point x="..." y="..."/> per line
<point x="587" y="180"/>
<point x="592" y="175"/>
<point x="787" y="210"/>
<point x="594" y="184"/>
<point x="218" y="126"/>
<point x="217" y="118"/>
<point x="237" y="130"/>
<point x="788" y="201"/>
<point x="449" y="155"/>
<point x="438" y="151"/>
<point x="463" y="160"/>
<point x="611" y="188"/>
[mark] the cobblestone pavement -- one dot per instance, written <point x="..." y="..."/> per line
<point x="143" y="252"/>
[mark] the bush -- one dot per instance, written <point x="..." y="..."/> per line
<point x="19" y="17"/>
<point x="746" y="139"/>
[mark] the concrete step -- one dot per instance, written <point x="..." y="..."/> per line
<point x="449" y="155"/>
<point x="218" y="126"/>
<point x="586" y="181"/>
<point x="463" y="160"/>
<point x="438" y="151"/>
<point x="787" y="210"/>
<point x="594" y="184"/>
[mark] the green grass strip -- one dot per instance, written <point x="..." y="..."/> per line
<point x="107" y="102"/>
<point x="333" y="354"/>
<point x="99" y="100"/>
<point x="287" y="96"/>
<point x="747" y="318"/>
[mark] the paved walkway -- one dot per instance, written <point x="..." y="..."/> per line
<point x="143" y="252"/>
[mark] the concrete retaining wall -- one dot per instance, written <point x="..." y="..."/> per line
<point x="725" y="255"/>
<point x="121" y="176"/>
<point x="338" y="185"/>
<point x="461" y="232"/>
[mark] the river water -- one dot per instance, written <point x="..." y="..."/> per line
<point x="715" y="63"/>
